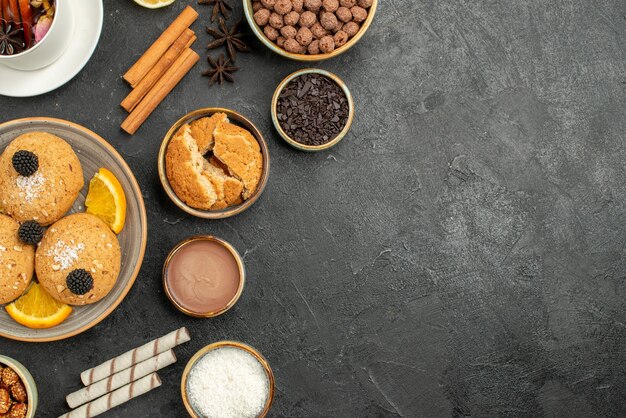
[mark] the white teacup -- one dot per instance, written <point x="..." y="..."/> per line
<point x="51" y="47"/>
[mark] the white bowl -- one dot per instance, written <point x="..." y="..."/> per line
<point x="51" y="47"/>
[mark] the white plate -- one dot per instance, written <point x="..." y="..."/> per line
<point x="88" y="15"/>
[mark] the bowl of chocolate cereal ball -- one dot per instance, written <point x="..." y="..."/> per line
<point x="312" y="109"/>
<point x="310" y="30"/>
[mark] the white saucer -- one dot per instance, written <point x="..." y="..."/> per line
<point x="88" y="15"/>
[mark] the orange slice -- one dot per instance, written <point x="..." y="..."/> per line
<point x="106" y="200"/>
<point x="37" y="309"/>
<point x="154" y="4"/>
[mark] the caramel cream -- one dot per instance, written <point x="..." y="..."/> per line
<point x="203" y="276"/>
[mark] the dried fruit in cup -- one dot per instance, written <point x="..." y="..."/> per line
<point x="24" y="23"/>
<point x="11" y="41"/>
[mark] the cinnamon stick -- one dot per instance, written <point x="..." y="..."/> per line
<point x="162" y="88"/>
<point x="14" y="13"/>
<point x="184" y="41"/>
<point x="139" y="70"/>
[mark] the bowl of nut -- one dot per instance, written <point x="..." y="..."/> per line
<point x="18" y="392"/>
<point x="310" y="30"/>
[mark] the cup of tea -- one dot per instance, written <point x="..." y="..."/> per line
<point x="36" y="32"/>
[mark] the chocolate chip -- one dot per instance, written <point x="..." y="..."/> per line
<point x="312" y="109"/>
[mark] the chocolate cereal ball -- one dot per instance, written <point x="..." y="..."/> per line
<point x="291" y="18"/>
<point x="328" y="20"/>
<point x="297" y="5"/>
<point x="351" y="28"/>
<point x="256" y="6"/>
<point x="314" y="47"/>
<point x="262" y="17"/>
<point x="304" y="36"/>
<point x="347" y="3"/>
<point x="268" y="4"/>
<point x="282" y="7"/>
<point x="318" y="31"/>
<point x="288" y="32"/>
<point x="291" y="45"/>
<point x="366" y="4"/>
<point x="330" y="5"/>
<point x="359" y="14"/>
<point x="340" y="38"/>
<point x="313" y="5"/>
<point x="344" y="14"/>
<point x="276" y="20"/>
<point x="271" y="33"/>
<point x="338" y="27"/>
<point x="327" y="44"/>
<point x="307" y="19"/>
<point x="280" y="41"/>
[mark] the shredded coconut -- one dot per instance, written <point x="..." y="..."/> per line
<point x="65" y="255"/>
<point x="228" y="383"/>
<point x="30" y="186"/>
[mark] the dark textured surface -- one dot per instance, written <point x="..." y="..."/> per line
<point x="460" y="253"/>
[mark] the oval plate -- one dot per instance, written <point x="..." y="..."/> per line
<point x="93" y="153"/>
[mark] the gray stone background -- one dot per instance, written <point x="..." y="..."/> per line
<point x="460" y="253"/>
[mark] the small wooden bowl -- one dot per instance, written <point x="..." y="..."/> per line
<point x="293" y="142"/>
<point x="236" y="118"/>
<point x="32" y="396"/>
<point x="242" y="274"/>
<point x="247" y="7"/>
<point x="220" y="344"/>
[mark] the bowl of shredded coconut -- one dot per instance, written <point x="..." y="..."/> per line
<point x="228" y="379"/>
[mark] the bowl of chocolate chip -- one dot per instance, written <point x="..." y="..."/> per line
<point x="310" y="30"/>
<point x="18" y="392"/>
<point x="312" y="110"/>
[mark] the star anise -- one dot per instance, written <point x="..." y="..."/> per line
<point x="220" y="70"/>
<point x="219" y="7"/>
<point x="231" y="37"/>
<point x="11" y="40"/>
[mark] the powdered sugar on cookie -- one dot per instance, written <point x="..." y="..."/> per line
<point x="64" y="254"/>
<point x="30" y="187"/>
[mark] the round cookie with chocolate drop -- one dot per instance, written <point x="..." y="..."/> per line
<point x="40" y="178"/>
<point x="78" y="260"/>
<point x="17" y="261"/>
